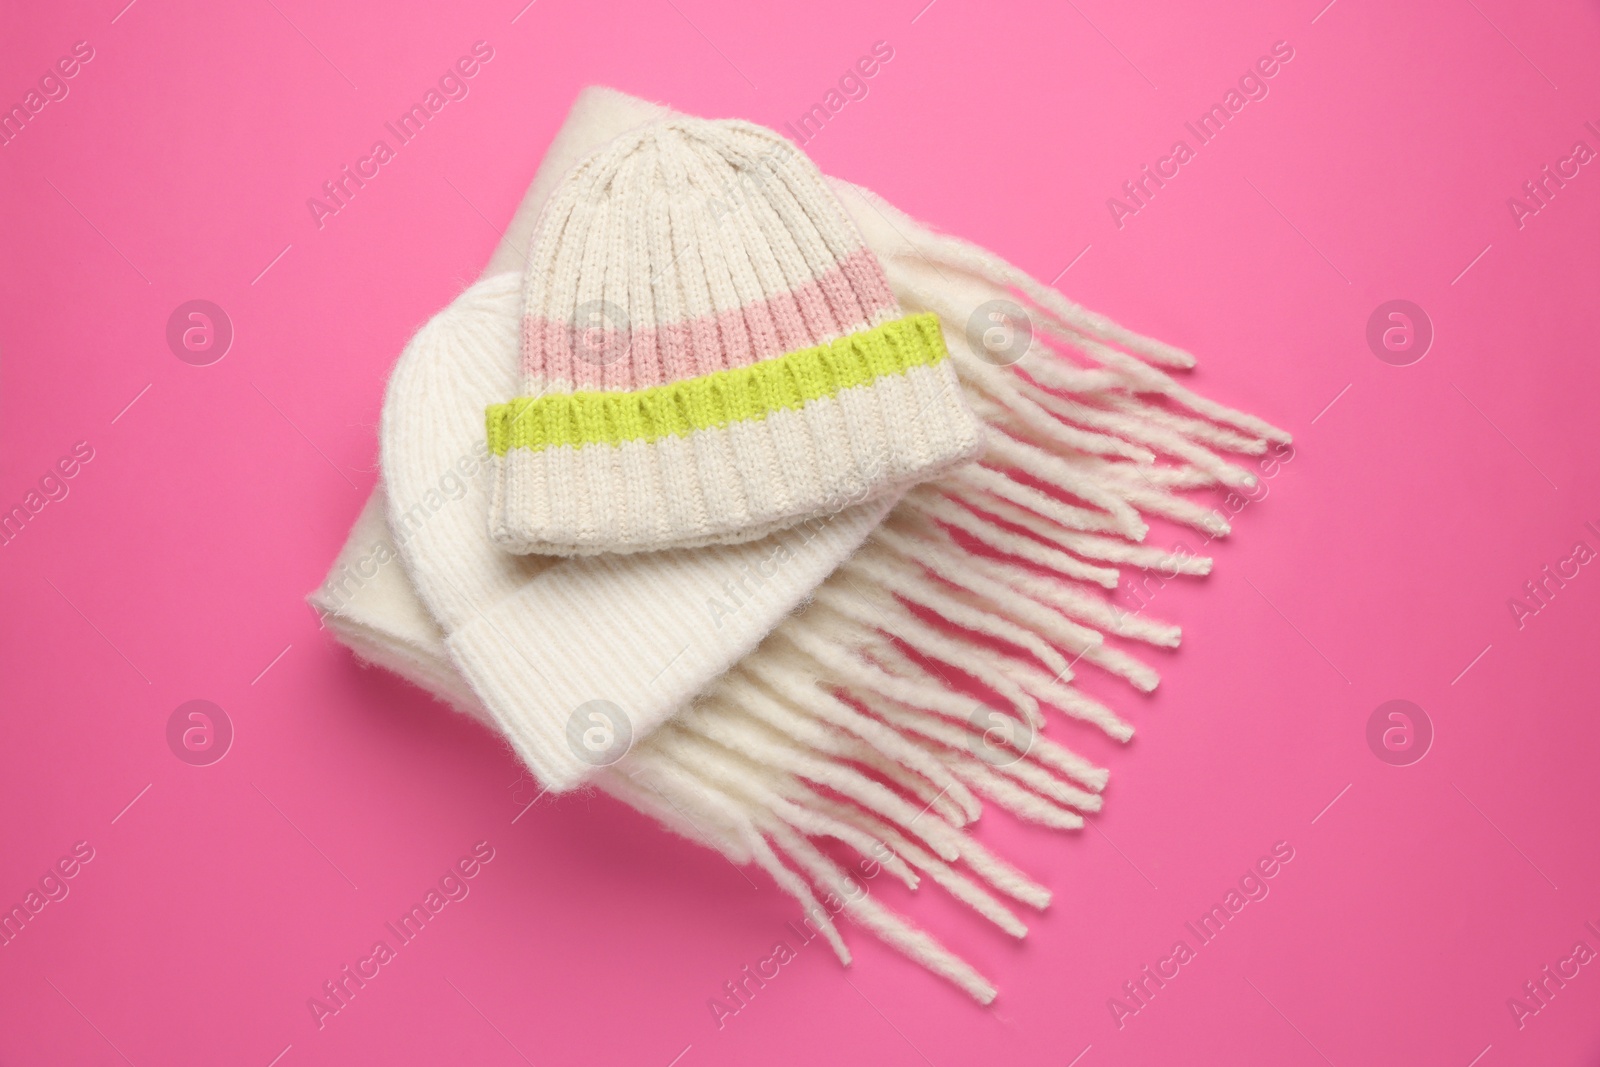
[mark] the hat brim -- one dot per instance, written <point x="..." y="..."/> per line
<point x="733" y="455"/>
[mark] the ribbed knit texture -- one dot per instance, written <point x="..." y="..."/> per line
<point x="709" y="353"/>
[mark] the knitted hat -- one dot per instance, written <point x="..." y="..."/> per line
<point x="539" y="638"/>
<point x="709" y="353"/>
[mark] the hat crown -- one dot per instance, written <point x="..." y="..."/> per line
<point x="687" y="247"/>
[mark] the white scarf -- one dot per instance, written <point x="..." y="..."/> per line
<point x="757" y="728"/>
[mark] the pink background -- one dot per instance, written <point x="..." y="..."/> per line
<point x="1378" y="566"/>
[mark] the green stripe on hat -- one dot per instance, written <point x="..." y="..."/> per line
<point x="749" y="393"/>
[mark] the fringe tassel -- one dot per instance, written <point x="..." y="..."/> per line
<point x="844" y="724"/>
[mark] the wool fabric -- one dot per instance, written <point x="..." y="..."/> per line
<point x="709" y="353"/>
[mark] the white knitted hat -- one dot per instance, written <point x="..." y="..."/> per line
<point x="540" y="639"/>
<point x="709" y="353"/>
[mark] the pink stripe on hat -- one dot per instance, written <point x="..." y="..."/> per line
<point x="611" y="355"/>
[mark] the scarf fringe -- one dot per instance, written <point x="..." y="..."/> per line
<point x="844" y="723"/>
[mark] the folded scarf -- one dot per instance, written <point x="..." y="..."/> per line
<point x="686" y="683"/>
